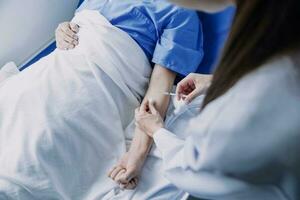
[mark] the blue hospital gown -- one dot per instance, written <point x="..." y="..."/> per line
<point x="169" y="35"/>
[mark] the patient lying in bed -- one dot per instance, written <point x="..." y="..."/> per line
<point x="169" y="36"/>
<point x="66" y="120"/>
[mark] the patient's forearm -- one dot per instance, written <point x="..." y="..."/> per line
<point x="162" y="80"/>
<point x="141" y="143"/>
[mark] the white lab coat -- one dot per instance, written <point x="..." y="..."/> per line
<point x="244" y="145"/>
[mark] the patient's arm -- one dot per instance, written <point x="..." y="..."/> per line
<point x="128" y="169"/>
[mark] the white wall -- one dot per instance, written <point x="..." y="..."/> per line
<point x="27" y="26"/>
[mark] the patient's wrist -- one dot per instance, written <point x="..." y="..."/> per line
<point x="141" y="142"/>
<point x="140" y="149"/>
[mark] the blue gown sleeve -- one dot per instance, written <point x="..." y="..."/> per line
<point x="91" y="5"/>
<point x="180" y="46"/>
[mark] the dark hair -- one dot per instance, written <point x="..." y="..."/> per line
<point x="262" y="29"/>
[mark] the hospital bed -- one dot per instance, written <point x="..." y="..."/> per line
<point x="39" y="33"/>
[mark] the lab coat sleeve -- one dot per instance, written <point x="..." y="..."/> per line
<point x="206" y="183"/>
<point x="249" y="135"/>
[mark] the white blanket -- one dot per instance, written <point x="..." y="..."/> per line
<point x="63" y="120"/>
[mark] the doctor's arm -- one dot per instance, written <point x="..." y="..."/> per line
<point x="208" y="163"/>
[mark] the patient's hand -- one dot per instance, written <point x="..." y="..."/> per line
<point x="126" y="172"/>
<point x="65" y="35"/>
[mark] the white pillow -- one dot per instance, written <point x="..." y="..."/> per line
<point x="28" y="26"/>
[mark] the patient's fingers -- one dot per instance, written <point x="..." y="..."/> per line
<point x="74" y="27"/>
<point x="122" y="178"/>
<point x="111" y="170"/>
<point x="119" y="174"/>
<point x="61" y="44"/>
<point x="65" y="35"/>
<point x="126" y="177"/>
<point x="126" y="186"/>
<point x="122" y="186"/>
<point x="68" y="31"/>
<point x="64" y="45"/>
<point x="65" y="29"/>
<point x="68" y="38"/>
<point x="132" y="184"/>
<point x="115" y="172"/>
<point x="65" y="42"/>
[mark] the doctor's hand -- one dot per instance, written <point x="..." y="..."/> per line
<point x="192" y="86"/>
<point x="148" y="119"/>
<point x="65" y="35"/>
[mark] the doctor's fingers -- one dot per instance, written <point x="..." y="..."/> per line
<point x="142" y="116"/>
<point x="185" y="87"/>
<point x="142" y="109"/>
<point x="152" y="108"/>
<point x="137" y="111"/>
<point x="145" y="106"/>
<point x="137" y="114"/>
<point x="196" y="92"/>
